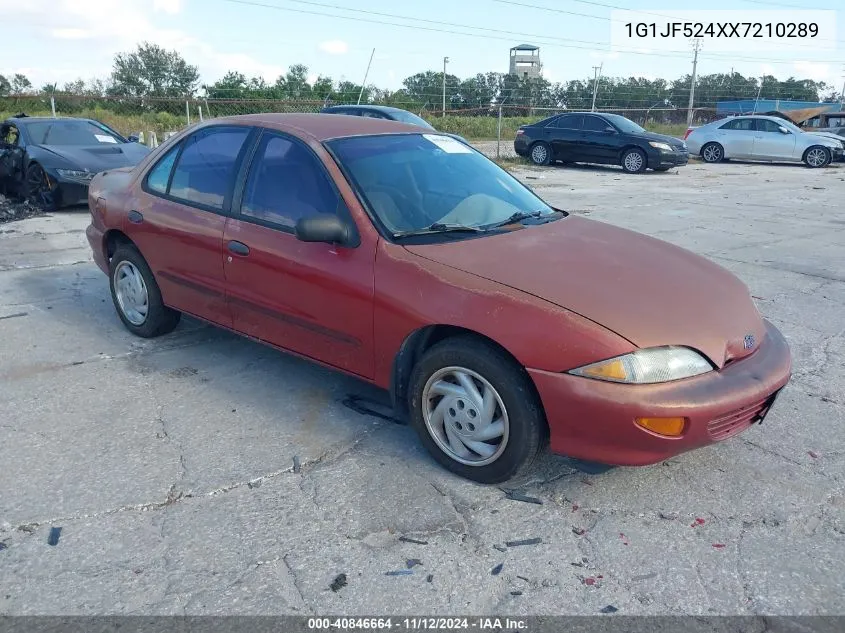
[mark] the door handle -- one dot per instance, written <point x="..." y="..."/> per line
<point x="135" y="217"/>
<point x="238" y="248"/>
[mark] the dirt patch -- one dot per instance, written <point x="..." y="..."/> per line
<point x="11" y="210"/>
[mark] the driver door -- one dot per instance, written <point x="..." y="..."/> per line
<point x="770" y="143"/>
<point x="314" y="299"/>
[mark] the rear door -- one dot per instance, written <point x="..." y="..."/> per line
<point x="177" y="219"/>
<point x="311" y="298"/>
<point x="771" y="143"/>
<point x="563" y="134"/>
<point x="737" y="137"/>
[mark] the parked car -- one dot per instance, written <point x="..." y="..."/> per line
<point x="51" y="161"/>
<point x="764" y="138"/>
<point x="609" y="139"/>
<point x="415" y="263"/>
<point x="385" y="112"/>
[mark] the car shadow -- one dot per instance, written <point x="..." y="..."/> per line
<point x="76" y="304"/>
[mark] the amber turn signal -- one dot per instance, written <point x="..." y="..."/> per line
<point x="670" y="427"/>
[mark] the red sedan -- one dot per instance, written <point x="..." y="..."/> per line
<point x="408" y="259"/>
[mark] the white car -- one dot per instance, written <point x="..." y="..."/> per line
<point x="765" y="138"/>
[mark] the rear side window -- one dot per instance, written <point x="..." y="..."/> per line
<point x="160" y="174"/>
<point x="568" y="122"/>
<point x="739" y="124"/>
<point x="206" y="169"/>
<point x="286" y="182"/>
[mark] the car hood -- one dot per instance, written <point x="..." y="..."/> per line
<point x="663" y="138"/>
<point x="94" y="158"/>
<point x="829" y="135"/>
<point x="648" y="291"/>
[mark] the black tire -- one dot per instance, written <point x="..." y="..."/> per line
<point x="712" y="152"/>
<point x="634" y="161"/>
<point x="540" y="153"/>
<point x="37" y="189"/>
<point x="159" y="318"/>
<point x="814" y="151"/>
<point x="526" y="431"/>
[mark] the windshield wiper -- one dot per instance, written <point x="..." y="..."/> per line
<point x="519" y="216"/>
<point x="440" y="227"/>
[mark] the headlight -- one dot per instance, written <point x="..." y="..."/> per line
<point x="75" y="174"/>
<point x="659" y="145"/>
<point x="645" y="366"/>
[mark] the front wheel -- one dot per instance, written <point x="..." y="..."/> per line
<point x="39" y="192"/>
<point x="137" y="297"/>
<point x="634" y="161"/>
<point x="817" y="156"/>
<point x="541" y="153"/>
<point x="475" y="410"/>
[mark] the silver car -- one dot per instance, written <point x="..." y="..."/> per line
<point x="761" y="138"/>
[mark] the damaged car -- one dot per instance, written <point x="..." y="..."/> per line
<point x="50" y="162"/>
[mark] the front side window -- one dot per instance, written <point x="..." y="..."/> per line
<point x="765" y="125"/>
<point x="206" y="169"/>
<point x="159" y="176"/>
<point x="595" y="124"/>
<point x="286" y="183"/>
<point x="414" y="181"/>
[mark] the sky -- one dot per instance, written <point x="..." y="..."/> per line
<point x="63" y="40"/>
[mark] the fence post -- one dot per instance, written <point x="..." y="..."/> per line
<point x="188" y="111"/>
<point x="53" y="105"/>
<point x="499" y="132"/>
<point x="199" y="110"/>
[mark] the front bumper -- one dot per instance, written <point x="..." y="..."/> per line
<point x="663" y="158"/>
<point x="593" y="420"/>
<point x="67" y="192"/>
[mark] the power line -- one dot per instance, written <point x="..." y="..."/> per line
<point x="417" y="27"/>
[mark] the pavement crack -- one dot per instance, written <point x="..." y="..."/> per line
<point x="295" y="580"/>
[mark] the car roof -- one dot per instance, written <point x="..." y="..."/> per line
<point x="322" y="127"/>
<point x="372" y="108"/>
<point x="40" y="119"/>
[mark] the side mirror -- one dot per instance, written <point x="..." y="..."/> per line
<point x="325" y="227"/>
<point x="783" y="130"/>
<point x="610" y="129"/>
<point x="133" y="138"/>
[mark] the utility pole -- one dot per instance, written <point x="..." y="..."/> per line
<point x="364" y="83"/>
<point x="445" y="61"/>
<point x="842" y="94"/>
<point x="596" y="75"/>
<point x="696" y="46"/>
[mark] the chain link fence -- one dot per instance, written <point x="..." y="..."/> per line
<point x="156" y="119"/>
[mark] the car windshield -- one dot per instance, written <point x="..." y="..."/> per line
<point x="415" y="181"/>
<point x="70" y="132"/>
<point x="624" y="125"/>
<point x="410" y="117"/>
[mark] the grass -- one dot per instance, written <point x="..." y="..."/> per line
<point x="473" y="128"/>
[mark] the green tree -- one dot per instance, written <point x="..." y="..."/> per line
<point x="5" y="86"/>
<point x="152" y="71"/>
<point x="20" y="84"/>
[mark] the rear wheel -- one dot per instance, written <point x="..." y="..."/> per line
<point x="712" y="153"/>
<point x="38" y="189"/>
<point x="136" y="295"/>
<point x="634" y="161"/>
<point x="817" y="156"/>
<point x="475" y="410"/>
<point x="540" y="154"/>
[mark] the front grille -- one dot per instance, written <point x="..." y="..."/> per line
<point x="739" y="419"/>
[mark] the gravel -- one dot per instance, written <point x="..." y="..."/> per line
<point x="11" y="210"/>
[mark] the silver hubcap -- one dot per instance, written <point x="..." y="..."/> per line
<point x="712" y="153"/>
<point x="633" y="161"/>
<point x="817" y="157"/>
<point x="539" y="154"/>
<point x="465" y="416"/>
<point x="131" y="293"/>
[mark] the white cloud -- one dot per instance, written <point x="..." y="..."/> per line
<point x="817" y="71"/>
<point x="767" y="69"/>
<point x="334" y="47"/>
<point x="171" y="7"/>
<point x="71" y="34"/>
